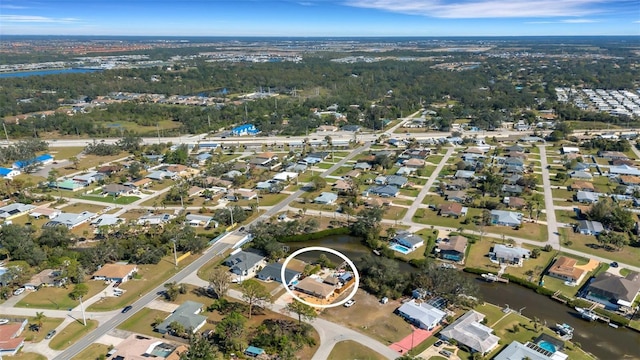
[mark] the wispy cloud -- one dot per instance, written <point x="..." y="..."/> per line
<point x="12" y="7"/>
<point x="469" y="9"/>
<point x="578" y="21"/>
<point x="35" y="19"/>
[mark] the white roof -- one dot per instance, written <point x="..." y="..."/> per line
<point x="423" y="313"/>
<point x="285" y="176"/>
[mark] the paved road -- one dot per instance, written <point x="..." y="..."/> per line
<point x="425" y="189"/>
<point x="552" y="225"/>
<point x="215" y="250"/>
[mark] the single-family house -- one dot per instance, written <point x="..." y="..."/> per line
<point x="266" y="160"/>
<point x="451" y="209"/>
<point x="408" y="240"/>
<point x="154" y="219"/>
<point x="397" y="181"/>
<point x="506" y="218"/>
<point x="139" y="183"/>
<point x="510" y="255"/>
<point x="514" y="202"/>
<point x="88" y="178"/>
<point x="315" y="287"/>
<point x="245" y="264"/>
<point x="613" y="290"/>
<point x="195" y="191"/>
<point x="341" y="186"/>
<point x="406" y="171"/>
<point x="15" y="210"/>
<point x="589" y="227"/>
<point x="253" y="351"/>
<point x="582" y="186"/>
<point x="116" y="190"/>
<point x="138" y="347"/>
<point x="612" y="155"/>
<point x="162" y="175"/>
<point x="512" y="189"/>
<point x="200" y="220"/>
<point x="47" y="277"/>
<point x="187" y="315"/>
<point x="582" y="175"/>
<point x="465" y="174"/>
<point x="514" y="148"/>
<point x="298" y="167"/>
<point x="452" y="249"/>
<point x="518" y="351"/>
<point x="203" y="158"/>
<point x="421" y="314"/>
<point x="273" y="271"/>
<point x="364" y="166"/>
<point x="44" y="212"/>
<point x="570" y="150"/>
<point x="108" y="170"/>
<point x="629" y="180"/>
<point x="115" y="272"/>
<point x="457" y="184"/>
<point x="624" y="170"/>
<point x="326" y="198"/>
<point x="531" y="139"/>
<point x="285" y="176"/>
<point x="564" y="268"/>
<point x="587" y="197"/>
<point x="384" y="191"/>
<point x="70" y="220"/>
<point x="414" y="163"/>
<point x="459" y="196"/>
<point x="468" y="330"/>
<point x="327" y="128"/>
<point x="106" y="220"/>
<point x="10" y="342"/>
<point x="352" y="174"/>
<point x="8" y="173"/>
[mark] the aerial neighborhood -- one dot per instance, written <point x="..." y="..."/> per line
<point x="505" y="233"/>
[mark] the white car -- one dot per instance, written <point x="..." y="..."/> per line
<point x="18" y="291"/>
<point x="349" y="303"/>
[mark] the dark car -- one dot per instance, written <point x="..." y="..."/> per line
<point x="438" y="343"/>
<point x="127" y="308"/>
<point x="614" y="264"/>
<point x="50" y="334"/>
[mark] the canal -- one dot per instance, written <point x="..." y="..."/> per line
<point x="597" y="338"/>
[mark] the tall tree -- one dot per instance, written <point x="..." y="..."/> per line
<point x="231" y="332"/>
<point x="79" y="291"/>
<point x="219" y="281"/>
<point x="39" y="319"/>
<point x="303" y="311"/>
<point x="200" y="348"/>
<point x="254" y="293"/>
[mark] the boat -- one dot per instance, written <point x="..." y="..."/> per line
<point x="490" y="277"/>
<point x="377" y="252"/>
<point x="615" y="326"/>
<point x="564" y="329"/>
<point x="4" y="321"/>
<point x="587" y="314"/>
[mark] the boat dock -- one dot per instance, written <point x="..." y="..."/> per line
<point x="556" y="297"/>
<point x="494" y="278"/>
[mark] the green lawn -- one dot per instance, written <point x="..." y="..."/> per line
<point x="57" y="298"/>
<point x="72" y="333"/>
<point x="80" y="207"/>
<point x="324" y="165"/>
<point x="141" y="321"/>
<point x="25" y="356"/>
<point x="394" y="212"/>
<point x="478" y="258"/>
<point x="121" y="200"/>
<point x="60" y="153"/>
<point x="94" y="351"/>
<point x="353" y="350"/>
<point x="150" y="276"/>
<point x="48" y="324"/>
<point x="589" y="245"/>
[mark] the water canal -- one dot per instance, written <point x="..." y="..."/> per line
<point x="597" y="338"/>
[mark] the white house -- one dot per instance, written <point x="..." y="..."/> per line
<point x="421" y="314"/>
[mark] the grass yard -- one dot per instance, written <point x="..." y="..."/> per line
<point x="409" y="192"/>
<point x="70" y="334"/>
<point x="60" y="153"/>
<point x="80" y="207"/>
<point x="91" y="161"/>
<point x="56" y="298"/>
<point x="353" y="350"/>
<point x="25" y="356"/>
<point x="380" y="323"/>
<point x="94" y="351"/>
<point x="478" y="258"/>
<point x="48" y="324"/>
<point x="567" y="217"/>
<point x="531" y="231"/>
<point x="394" y="212"/>
<point x="324" y="165"/>
<point x="141" y="321"/>
<point x="562" y="194"/>
<point x="149" y="276"/>
<point x="589" y="245"/>
<point x="121" y="200"/>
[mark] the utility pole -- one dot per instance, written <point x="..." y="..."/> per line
<point x="84" y="318"/>
<point x="175" y="252"/>
<point x="6" y="134"/>
<point x="231" y="213"/>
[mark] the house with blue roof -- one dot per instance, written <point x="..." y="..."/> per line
<point x="42" y="160"/>
<point x="202" y="158"/>
<point x="246" y="129"/>
<point x="506" y="218"/>
<point x="408" y="240"/>
<point x="383" y="191"/>
<point x="254" y="351"/>
<point x="273" y="272"/>
<point x="7" y="173"/>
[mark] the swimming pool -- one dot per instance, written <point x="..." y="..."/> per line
<point x="547" y="346"/>
<point x="399" y="248"/>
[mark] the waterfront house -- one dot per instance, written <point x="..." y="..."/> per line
<point x="468" y="330"/>
<point x="564" y="268"/>
<point x="408" y="240"/>
<point x="614" y="291"/>
<point x="589" y="227"/>
<point x="115" y="272"/>
<point x="421" y="314"/>
<point x="518" y="351"/>
<point x="273" y="271"/>
<point x="187" y="315"/>
<point x="315" y="287"/>
<point x="452" y="249"/>
<point x="509" y="255"/>
<point x="506" y="218"/>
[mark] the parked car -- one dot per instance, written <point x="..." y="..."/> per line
<point x="127" y="308"/>
<point x="438" y="343"/>
<point x="445" y="353"/>
<point x="349" y="303"/>
<point x="50" y="334"/>
<point x="18" y="291"/>
<point x="614" y="264"/>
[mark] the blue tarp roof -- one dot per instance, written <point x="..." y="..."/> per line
<point x="254" y="351"/>
<point x="4" y="171"/>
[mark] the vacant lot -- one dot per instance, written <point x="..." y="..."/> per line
<point x="26" y="356"/>
<point x="353" y="350"/>
<point x="588" y="244"/>
<point x="380" y="322"/>
<point x="72" y="333"/>
<point x="80" y="207"/>
<point x="92" y="352"/>
<point x="57" y="298"/>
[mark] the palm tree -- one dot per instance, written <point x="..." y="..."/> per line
<point x="39" y="318"/>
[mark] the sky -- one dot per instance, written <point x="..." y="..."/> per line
<point x="301" y="18"/>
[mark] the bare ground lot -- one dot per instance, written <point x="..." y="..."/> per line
<point x="371" y="317"/>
